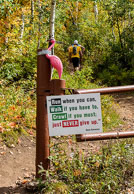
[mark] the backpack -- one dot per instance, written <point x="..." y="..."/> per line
<point x="74" y="50"/>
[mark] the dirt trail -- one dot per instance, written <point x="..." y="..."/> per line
<point x="126" y="109"/>
<point x="17" y="164"/>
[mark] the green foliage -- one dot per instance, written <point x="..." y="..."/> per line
<point x="105" y="171"/>
<point x="80" y="79"/>
<point x="22" y="67"/>
<point x="110" y="117"/>
<point x="116" y="66"/>
<point x="12" y="137"/>
<point x="108" y="41"/>
<point x="108" y="59"/>
<point x="17" y="111"/>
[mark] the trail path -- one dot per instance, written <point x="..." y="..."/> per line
<point x="17" y="164"/>
<point x="126" y="109"/>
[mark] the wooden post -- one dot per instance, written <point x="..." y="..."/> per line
<point x="45" y="87"/>
<point x="42" y="133"/>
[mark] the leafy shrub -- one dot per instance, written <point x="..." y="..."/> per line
<point x="17" y="112"/>
<point x="104" y="172"/>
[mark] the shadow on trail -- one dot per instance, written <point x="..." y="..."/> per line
<point x="11" y="190"/>
<point x="3" y="190"/>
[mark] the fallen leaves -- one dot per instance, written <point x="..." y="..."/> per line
<point x="1" y="129"/>
<point x="12" y="124"/>
<point x="97" y="164"/>
<point x="77" y="172"/>
<point x="30" y="132"/>
<point x="12" y="107"/>
<point x="2" y="153"/>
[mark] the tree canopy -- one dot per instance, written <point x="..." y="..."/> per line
<point x="104" y="27"/>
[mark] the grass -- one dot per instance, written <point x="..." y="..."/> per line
<point x="109" y="170"/>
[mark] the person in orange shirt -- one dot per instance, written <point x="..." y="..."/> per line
<point x="75" y="54"/>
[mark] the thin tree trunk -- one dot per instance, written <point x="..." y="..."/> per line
<point x="113" y="33"/>
<point x="32" y="11"/>
<point x="22" y="26"/>
<point x="133" y="58"/>
<point x="119" y="33"/>
<point x="95" y="12"/>
<point x="113" y="30"/>
<point x="52" y="22"/>
<point x="32" y="17"/>
<point x="52" y="19"/>
<point x="77" y="12"/>
<point x="39" y="23"/>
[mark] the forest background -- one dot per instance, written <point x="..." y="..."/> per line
<point x="104" y="27"/>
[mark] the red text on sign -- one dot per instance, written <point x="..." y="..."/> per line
<point x="70" y="123"/>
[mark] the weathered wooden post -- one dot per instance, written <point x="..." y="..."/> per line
<point x="57" y="87"/>
<point x="43" y="90"/>
<point x="45" y="87"/>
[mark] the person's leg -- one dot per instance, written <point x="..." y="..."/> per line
<point x="76" y="68"/>
<point x="76" y="63"/>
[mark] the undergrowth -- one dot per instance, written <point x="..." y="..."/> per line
<point x="17" y="111"/>
<point x="107" y="170"/>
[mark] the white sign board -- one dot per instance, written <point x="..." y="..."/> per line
<point x="74" y="114"/>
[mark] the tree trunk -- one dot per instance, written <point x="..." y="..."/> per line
<point x="95" y="12"/>
<point x="113" y="34"/>
<point x="52" y="19"/>
<point x="77" y="10"/>
<point x="22" y="27"/>
<point x="39" y="23"/>
<point x="119" y="32"/>
<point x="133" y="58"/>
<point x="32" y="11"/>
<point x="32" y="17"/>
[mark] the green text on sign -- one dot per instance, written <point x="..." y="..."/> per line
<point x="55" y="109"/>
<point x="62" y="116"/>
